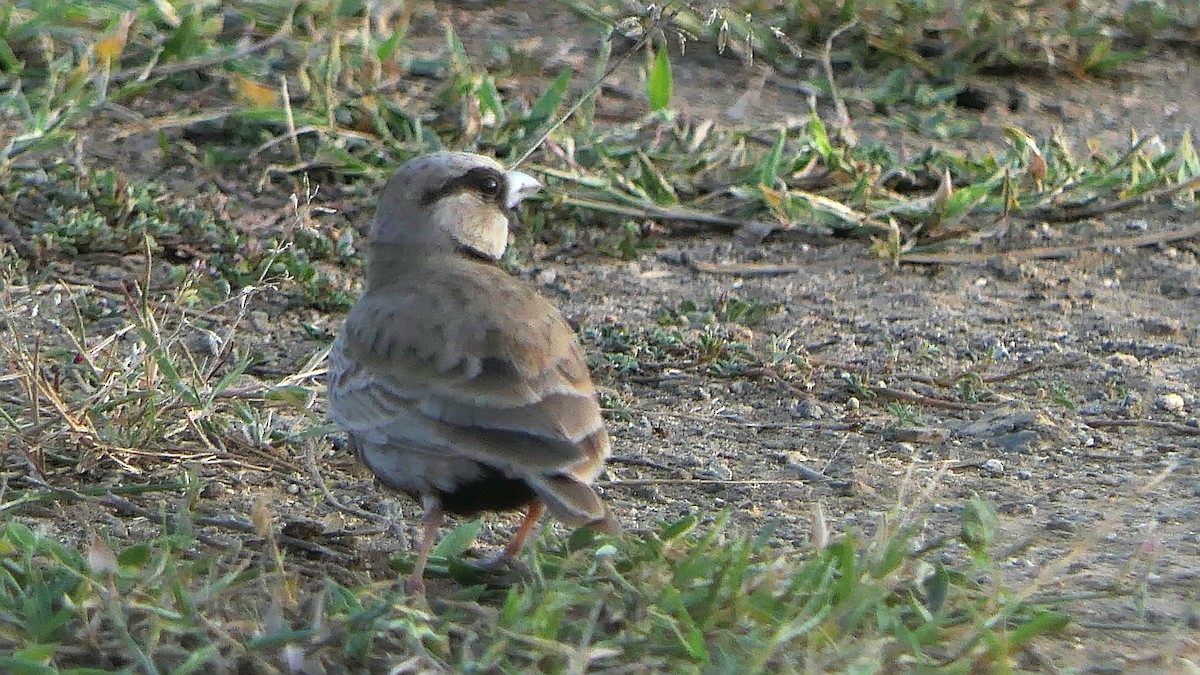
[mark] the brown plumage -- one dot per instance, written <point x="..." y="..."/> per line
<point x="456" y="382"/>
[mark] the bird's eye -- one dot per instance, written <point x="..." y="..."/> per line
<point x="489" y="186"/>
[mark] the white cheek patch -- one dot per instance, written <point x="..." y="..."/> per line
<point x="479" y="226"/>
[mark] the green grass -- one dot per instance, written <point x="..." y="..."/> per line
<point x="688" y="597"/>
<point x="126" y="393"/>
<point x="811" y="177"/>
<point x="916" y="49"/>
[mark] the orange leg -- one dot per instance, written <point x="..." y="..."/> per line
<point x="415" y="585"/>
<point x="532" y="515"/>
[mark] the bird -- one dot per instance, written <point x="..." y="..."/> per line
<point x="454" y="381"/>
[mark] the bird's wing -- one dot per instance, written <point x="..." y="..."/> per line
<point x="501" y="381"/>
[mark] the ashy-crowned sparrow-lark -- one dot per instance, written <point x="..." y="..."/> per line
<point x="455" y="381"/>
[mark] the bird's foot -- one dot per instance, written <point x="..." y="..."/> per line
<point x="505" y="562"/>
<point x="492" y="562"/>
<point x="414" y="587"/>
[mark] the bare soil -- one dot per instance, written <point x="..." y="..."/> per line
<point x="1086" y="441"/>
<point x="1082" y="443"/>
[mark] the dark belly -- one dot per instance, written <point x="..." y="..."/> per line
<point x="492" y="491"/>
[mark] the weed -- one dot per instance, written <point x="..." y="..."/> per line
<point x="1060" y="393"/>
<point x="683" y="597"/>
<point x="725" y="308"/>
<point x="904" y="415"/>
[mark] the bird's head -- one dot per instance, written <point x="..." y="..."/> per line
<point x="448" y="200"/>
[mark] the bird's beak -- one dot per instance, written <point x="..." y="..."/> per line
<point x="520" y="186"/>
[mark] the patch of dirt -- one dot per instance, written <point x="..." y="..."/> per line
<point x="1086" y="438"/>
<point x="1085" y="496"/>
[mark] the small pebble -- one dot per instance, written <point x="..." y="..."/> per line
<point x="36" y="178"/>
<point x="716" y="470"/>
<point x="1162" y="327"/>
<point x="1172" y="403"/>
<point x="741" y="387"/>
<point x="261" y="321"/>
<point x="1018" y="442"/>
<point x="995" y="347"/>
<point x="205" y="342"/>
<point x="1122" y="360"/>
<point x="1060" y="525"/>
<point x="214" y="490"/>
<point x="807" y="409"/>
<point x="643" y="427"/>
<point x="842" y="488"/>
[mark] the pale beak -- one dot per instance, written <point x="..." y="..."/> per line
<point x="520" y="186"/>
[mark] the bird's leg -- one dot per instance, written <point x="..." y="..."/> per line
<point x="532" y="515"/>
<point x="415" y="585"/>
